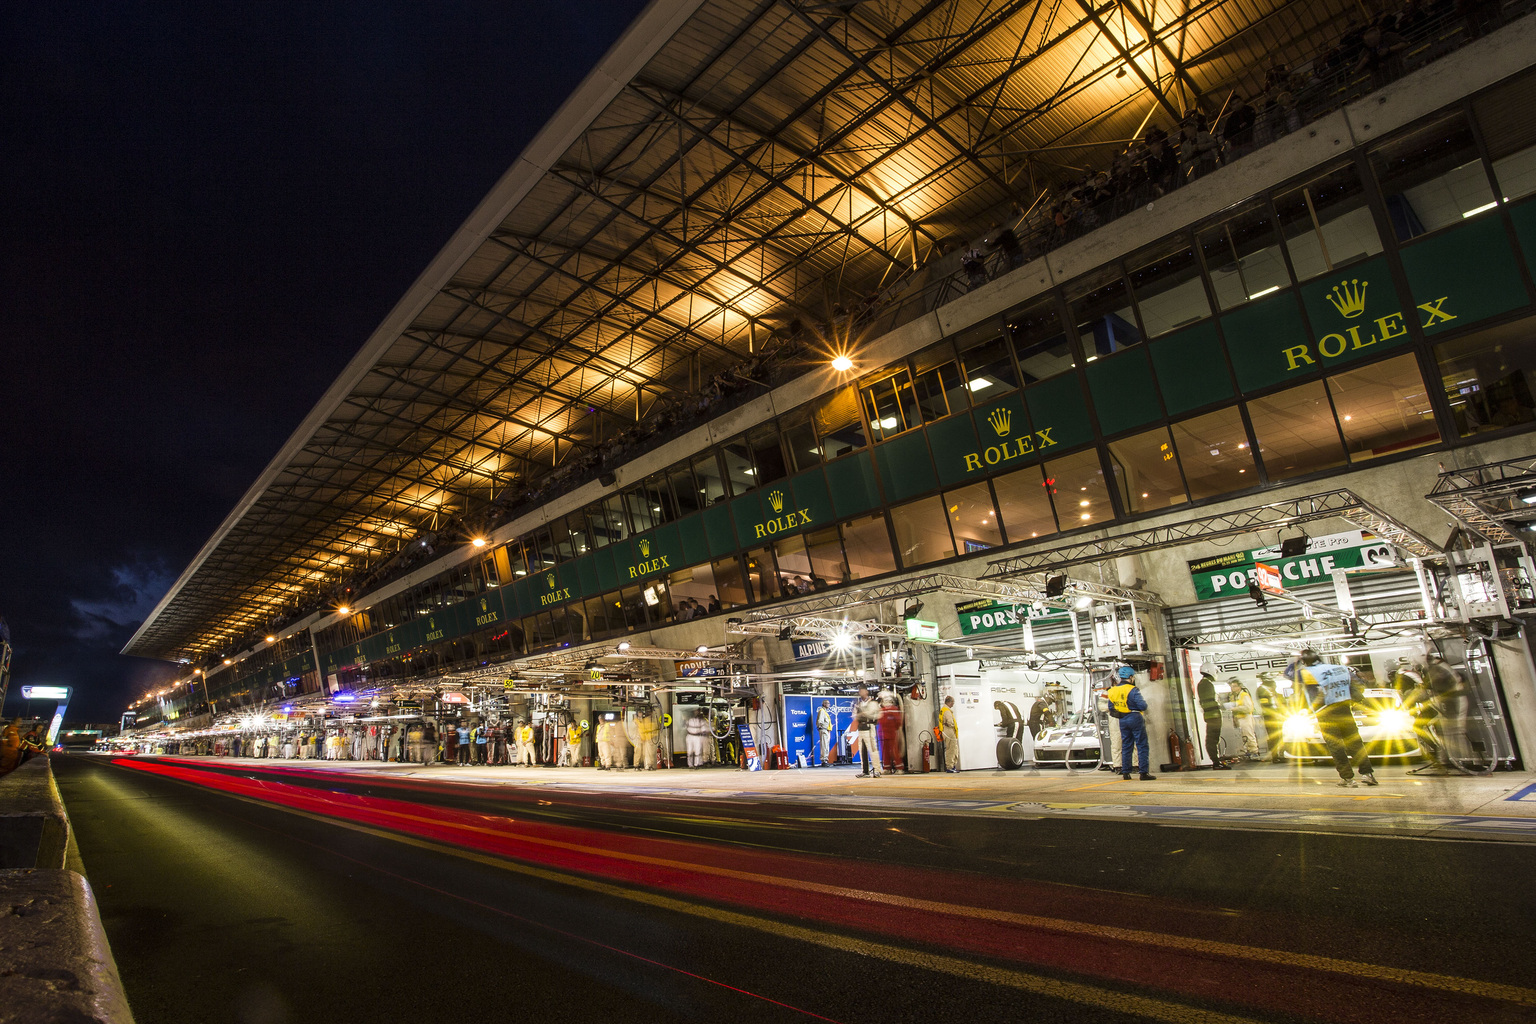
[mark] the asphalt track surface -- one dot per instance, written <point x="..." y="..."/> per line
<point x="271" y="895"/>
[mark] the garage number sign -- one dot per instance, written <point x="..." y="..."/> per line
<point x="1229" y="574"/>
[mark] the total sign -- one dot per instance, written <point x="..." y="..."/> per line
<point x="1224" y="575"/>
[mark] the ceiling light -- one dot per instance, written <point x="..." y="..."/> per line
<point x="624" y="645"/>
<point x="1082" y="604"/>
<point x="841" y="642"/>
<point x="979" y="383"/>
<point x="842" y="364"/>
<point x="478" y="542"/>
<point x="702" y="649"/>
<point x="344" y="610"/>
<point x="1481" y="209"/>
<point x="271" y="639"/>
<point x="1266" y="291"/>
<point x="1085" y="502"/>
<point x="1528" y="499"/>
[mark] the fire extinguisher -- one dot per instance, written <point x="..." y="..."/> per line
<point x="1175" y="751"/>
<point x="927" y="741"/>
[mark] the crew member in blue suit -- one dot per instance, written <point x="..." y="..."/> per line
<point x="1127" y="704"/>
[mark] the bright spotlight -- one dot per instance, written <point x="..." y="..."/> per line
<point x="842" y="364"/>
<point x="841" y="642"/>
<point x="1083" y="603"/>
<point x="478" y="542"/>
<point x="623" y="646"/>
<point x="702" y="649"/>
<point x="1396" y="720"/>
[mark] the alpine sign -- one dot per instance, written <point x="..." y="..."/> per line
<point x="1225" y="575"/>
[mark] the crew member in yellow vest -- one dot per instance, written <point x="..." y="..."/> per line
<point x="525" y="742"/>
<point x="1242" y="717"/>
<point x="571" y="753"/>
<point x="1127" y="704"/>
<point x="605" y="744"/>
<point x="949" y="735"/>
<point x="645" y="746"/>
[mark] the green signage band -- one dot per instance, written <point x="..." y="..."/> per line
<point x="784" y="519"/>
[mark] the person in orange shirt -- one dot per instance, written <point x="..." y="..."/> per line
<point x="10" y="745"/>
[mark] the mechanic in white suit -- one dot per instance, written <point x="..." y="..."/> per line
<point x="699" y="734"/>
<point x="825" y="723"/>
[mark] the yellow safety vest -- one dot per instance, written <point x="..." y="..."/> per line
<point x="1119" y="697"/>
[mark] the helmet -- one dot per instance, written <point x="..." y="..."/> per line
<point x="1125" y="672"/>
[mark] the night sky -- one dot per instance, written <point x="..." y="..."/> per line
<point x="207" y="210"/>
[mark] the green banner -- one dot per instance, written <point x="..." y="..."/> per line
<point x="1228" y="574"/>
<point x="984" y="616"/>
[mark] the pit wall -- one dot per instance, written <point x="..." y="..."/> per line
<point x="57" y="963"/>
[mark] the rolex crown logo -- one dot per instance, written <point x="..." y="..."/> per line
<point x="550" y="577"/>
<point x="482" y="604"/>
<point x="776" y="499"/>
<point x="645" y="549"/>
<point x="1348" y="297"/>
<point x="1000" y="418"/>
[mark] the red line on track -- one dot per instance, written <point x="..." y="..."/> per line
<point x="1191" y="973"/>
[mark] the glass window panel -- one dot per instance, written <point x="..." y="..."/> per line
<point x="800" y="439"/>
<point x="938" y="385"/>
<point x="825" y="550"/>
<point x="1147" y="472"/>
<point x="660" y="494"/>
<point x="730" y="584"/>
<point x="767" y="454"/>
<point x="972" y="519"/>
<point x="632" y="608"/>
<point x="1432" y="178"/>
<point x="544" y="549"/>
<point x="794" y="566"/>
<point x="839" y="422"/>
<point x="1024" y="503"/>
<point x="987" y="360"/>
<point x="615" y="521"/>
<point x="738" y="465"/>
<point x="1490" y="377"/>
<point x="867" y="543"/>
<point x="708" y="478"/>
<point x="939" y="391"/>
<point x="762" y="581"/>
<point x="1383" y="409"/>
<point x="641" y="516"/>
<point x="561" y="538"/>
<point x="1101" y="308"/>
<point x="1079" y="490"/>
<point x="576" y="526"/>
<point x="1509" y="131"/>
<point x="688" y="495"/>
<point x="922" y="532"/>
<point x="1243" y="256"/>
<point x="1213" y="450"/>
<point x="1170" y="293"/>
<point x="1039" y="343"/>
<point x="693" y="590"/>
<point x="1296" y="432"/>
<point x="890" y="405"/>
<point x="597" y="612"/>
<point x="1327" y="224"/>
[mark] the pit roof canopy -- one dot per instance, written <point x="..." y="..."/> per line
<point x="727" y="167"/>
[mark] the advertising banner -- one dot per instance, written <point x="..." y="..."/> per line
<point x="800" y="739"/>
<point x="1225" y="575"/>
<point x="984" y="616"/>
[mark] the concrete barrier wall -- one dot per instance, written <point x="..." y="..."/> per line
<point x="57" y="965"/>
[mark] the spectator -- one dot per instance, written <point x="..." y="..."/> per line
<point x="10" y="745"/>
<point x="1007" y="243"/>
<point x="974" y="264"/>
<point x="1381" y="55"/>
<point x="714" y="604"/>
<point x="31" y="743"/>
<point x="1237" y="129"/>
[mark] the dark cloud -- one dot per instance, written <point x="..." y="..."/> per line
<point x="208" y="208"/>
